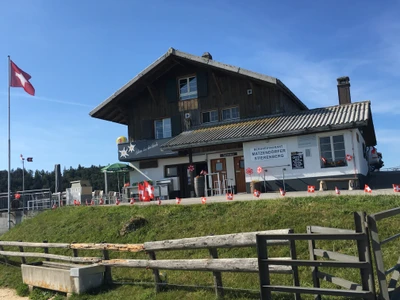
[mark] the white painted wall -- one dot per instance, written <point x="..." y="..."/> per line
<point x="312" y="164"/>
<point x="158" y="173"/>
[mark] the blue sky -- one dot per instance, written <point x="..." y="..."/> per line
<point x="80" y="52"/>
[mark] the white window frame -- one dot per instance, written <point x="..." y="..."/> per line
<point x="334" y="163"/>
<point x="167" y="128"/>
<point x="230" y="113"/>
<point x="209" y="112"/>
<point x="189" y="95"/>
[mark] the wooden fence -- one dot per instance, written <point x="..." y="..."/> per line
<point x="365" y="290"/>
<point x="212" y="264"/>
<point x="388" y="290"/>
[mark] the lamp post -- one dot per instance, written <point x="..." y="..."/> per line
<point x="23" y="172"/>
<point x="28" y="159"/>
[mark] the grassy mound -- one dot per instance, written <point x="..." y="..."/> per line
<point x="138" y="224"/>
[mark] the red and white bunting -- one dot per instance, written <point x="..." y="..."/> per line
<point x="337" y="191"/>
<point x="367" y="189"/>
<point x="311" y="189"/>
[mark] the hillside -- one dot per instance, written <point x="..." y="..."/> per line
<point x="99" y="224"/>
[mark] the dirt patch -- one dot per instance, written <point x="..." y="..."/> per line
<point x="10" y="294"/>
<point x="132" y="225"/>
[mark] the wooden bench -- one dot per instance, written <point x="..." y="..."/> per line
<point x="353" y="182"/>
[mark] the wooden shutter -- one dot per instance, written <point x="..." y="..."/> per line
<point x="176" y="125"/>
<point x="147" y="129"/>
<point x="202" y="84"/>
<point x="171" y="90"/>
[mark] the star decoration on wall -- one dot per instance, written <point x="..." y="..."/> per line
<point x="131" y="147"/>
<point x="124" y="153"/>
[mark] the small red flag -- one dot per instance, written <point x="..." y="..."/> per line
<point x="311" y="188"/>
<point x="19" y="78"/>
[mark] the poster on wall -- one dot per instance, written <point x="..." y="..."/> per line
<point x="268" y="152"/>
<point x="297" y="160"/>
<point x="307" y="141"/>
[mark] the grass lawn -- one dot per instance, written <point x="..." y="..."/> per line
<point x="99" y="224"/>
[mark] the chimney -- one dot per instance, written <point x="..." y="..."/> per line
<point x="343" y="86"/>
<point x="207" y="55"/>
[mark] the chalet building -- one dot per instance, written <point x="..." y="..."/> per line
<point x="187" y="112"/>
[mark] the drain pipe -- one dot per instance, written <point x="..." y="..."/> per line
<point x="283" y="178"/>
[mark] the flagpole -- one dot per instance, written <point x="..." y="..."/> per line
<point x="9" y="144"/>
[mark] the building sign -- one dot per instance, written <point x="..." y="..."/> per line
<point x="268" y="152"/>
<point x="228" y="154"/>
<point x="144" y="149"/>
<point x="297" y="159"/>
<point x="307" y="141"/>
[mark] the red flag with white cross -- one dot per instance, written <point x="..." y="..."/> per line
<point x="19" y="78"/>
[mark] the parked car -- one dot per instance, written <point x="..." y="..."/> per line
<point x="374" y="159"/>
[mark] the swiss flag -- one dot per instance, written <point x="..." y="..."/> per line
<point x="203" y="200"/>
<point x="19" y="78"/>
<point x="337" y="191"/>
<point x="311" y="188"/>
<point x="282" y="192"/>
<point x="178" y="200"/>
<point x="256" y="193"/>
<point x="141" y="191"/>
<point x="229" y="196"/>
<point x="367" y="189"/>
<point x="396" y="188"/>
<point x="148" y="191"/>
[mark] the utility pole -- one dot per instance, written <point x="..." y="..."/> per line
<point x="23" y="172"/>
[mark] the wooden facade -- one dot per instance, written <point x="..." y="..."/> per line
<point x="216" y="90"/>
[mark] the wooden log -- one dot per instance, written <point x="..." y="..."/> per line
<point x="245" y="239"/>
<point x="35" y="245"/>
<point x="218" y="265"/>
<point x="52" y="256"/>
<point x="105" y="246"/>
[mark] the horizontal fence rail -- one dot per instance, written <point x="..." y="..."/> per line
<point x="212" y="264"/>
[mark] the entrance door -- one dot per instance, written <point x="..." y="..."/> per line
<point x="218" y="166"/>
<point x="240" y="174"/>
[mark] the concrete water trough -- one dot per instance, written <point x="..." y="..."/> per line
<point x="63" y="277"/>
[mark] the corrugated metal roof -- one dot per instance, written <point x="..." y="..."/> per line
<point x="301" y="122"/>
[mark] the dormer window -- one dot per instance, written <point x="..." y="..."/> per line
<point x="188" y="88"/>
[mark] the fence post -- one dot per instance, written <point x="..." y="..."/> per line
<point x="263" y="268"/>
<point x="21" y="249"/>
<point x="107" y="270"/>
<point x="5" y="257"/>
<point x="75" y="251"/>
<point x="219" y="290"/>
<point x="364" y="253"/>
<point x="295" y="269"/>
<point x="156" y="273"/>
<point x="380" y="268"/>
<point x="314" y="270"/>
<point x="46" y="250"/>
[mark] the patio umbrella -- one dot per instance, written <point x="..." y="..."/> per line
<point x="115" y="168"/>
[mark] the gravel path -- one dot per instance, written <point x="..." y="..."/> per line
<point x="10" y="294"/>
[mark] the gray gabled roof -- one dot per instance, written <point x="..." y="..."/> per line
<point x="108" y="107"/>
<point x="347" y="116"/>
